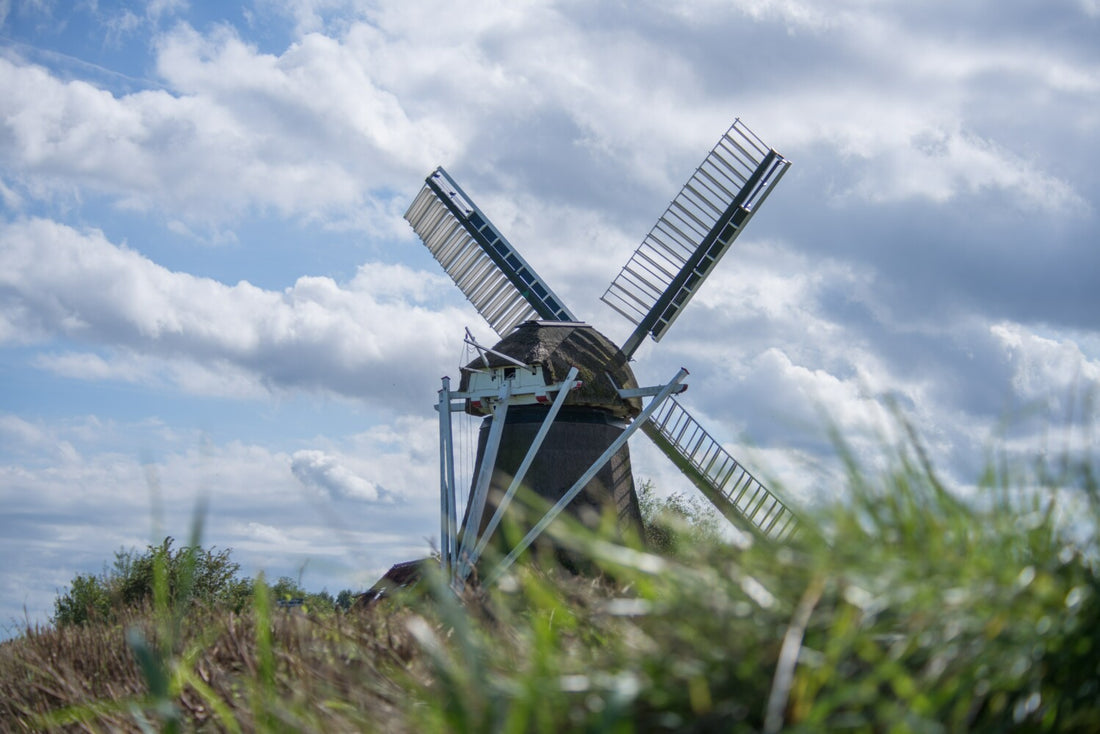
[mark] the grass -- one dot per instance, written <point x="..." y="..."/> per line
<point x="910" y="610"/>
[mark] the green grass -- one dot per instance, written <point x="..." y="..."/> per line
<point x="910" y="610"/>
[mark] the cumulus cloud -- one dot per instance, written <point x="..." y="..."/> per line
<point x="940" y="165"/>
<point x="1048" y="369"/>
<point x="325" y="472"/>
<point x="240" y="131"/>
<point x="324" y="128"/>
<point x="202" y="335"/>
<point x="30" y="440"/>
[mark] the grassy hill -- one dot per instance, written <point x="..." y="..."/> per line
<point x="900" y="609"/>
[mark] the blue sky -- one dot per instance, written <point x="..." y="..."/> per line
<point x="207" y="290"/>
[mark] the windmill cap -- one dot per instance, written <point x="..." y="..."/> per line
<point x="558" y="345"/>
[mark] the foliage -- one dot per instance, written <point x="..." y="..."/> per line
<point x="911" y="609"/>
<point x="210" y="577"/>
<point x="677" y="520"/>
<point x="344" y="599"/>
<point x="89" y="597"/>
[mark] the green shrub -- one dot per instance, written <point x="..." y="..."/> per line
<point x="203" y="575"/>
<point x="287" y="591"/>
<point x="89" y="598"/>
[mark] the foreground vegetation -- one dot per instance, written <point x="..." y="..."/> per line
<point x="910" y="610"/>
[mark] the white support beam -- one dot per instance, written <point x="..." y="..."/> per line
<point x="481" y="489"/>
<point x="645" y="392"/>
<point x="447" y="512"/>
<point x="532" y="451"/>
<point x="482" y="351"/>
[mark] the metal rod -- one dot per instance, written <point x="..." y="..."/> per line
<point x="585" y="478"/>
<point x="473" y="343"/>
<point x="470" y="339"/>
<point x="544" y="429"/>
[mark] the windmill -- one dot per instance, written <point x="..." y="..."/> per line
<point x="559" y="399"/>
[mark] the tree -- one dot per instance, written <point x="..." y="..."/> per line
<point x="345" y="599"/>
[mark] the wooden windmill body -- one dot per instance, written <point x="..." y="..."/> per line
<point x="592" y="417"/>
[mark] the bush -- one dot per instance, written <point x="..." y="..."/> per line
<point x="88" y="598"/>
<point x="287" y="591"/>
<point x="204" y="576"/>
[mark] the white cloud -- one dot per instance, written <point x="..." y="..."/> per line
<point x="76" y="491"/>
<point x="213" y="338"/>
<point x="27" y="439"/>
<point x="309" y="132"/>
<point x="265" y="534"/>
<point x="940" y="165"/>
<point x="1047" y="368"/>
<point x="310" y="15"/>
<point x="326" y="473"/>
<point x="214" y="378"/>
<point x="11" y="199"/>
<point x="247" y="131"/>
<point x="796" y="14"/>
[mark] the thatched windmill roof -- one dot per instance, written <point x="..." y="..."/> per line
<point x="558" y="345"/>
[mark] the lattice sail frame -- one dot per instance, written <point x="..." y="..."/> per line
<point x="694" y="233"/>
<point x="500" y="284"/>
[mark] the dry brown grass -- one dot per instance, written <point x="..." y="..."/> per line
<point x="353" y="666"/>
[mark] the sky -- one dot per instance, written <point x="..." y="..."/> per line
<point x="211" y="306"/>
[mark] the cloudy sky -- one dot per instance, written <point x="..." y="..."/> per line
<point x="208" y="295"/>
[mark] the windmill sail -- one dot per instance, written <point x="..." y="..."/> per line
<point x="504" y="289"/>
<point x="736" y="493"/>
<point x="694" y="232"/>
